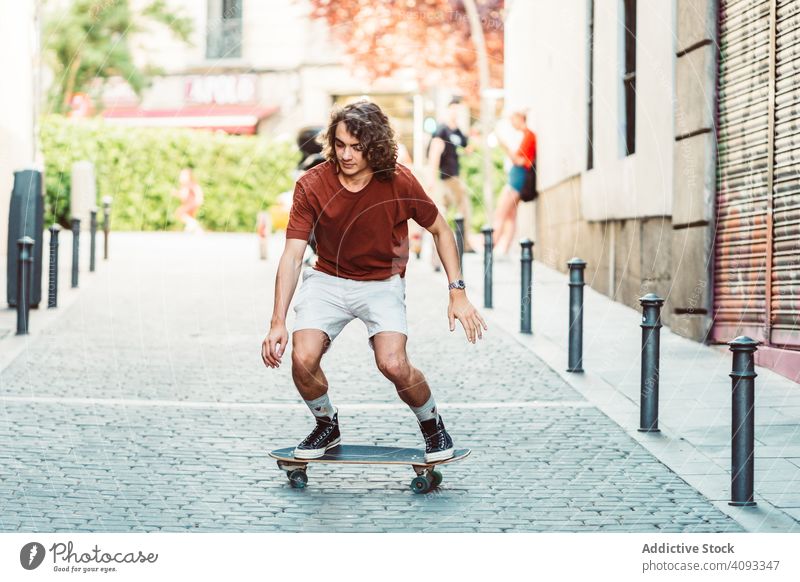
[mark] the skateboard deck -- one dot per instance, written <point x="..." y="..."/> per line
<point x="427" y="476"/>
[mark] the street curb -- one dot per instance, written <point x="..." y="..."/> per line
<point x="667" y="446"/>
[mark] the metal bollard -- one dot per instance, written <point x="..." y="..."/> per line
<point x="526" y="277"/>
<point x="52" y="289"/>
<point x="76" y="234"/>
<point x="106" y="224"/>
<point x="651" y="346"/>
<point x="24" y="281"/>
<point x="488" y="247"/>
<point x="576" y="283"/>
<point x="743" y="379"/>
<point x="92" y="237"/>
<point x="459" y="220"/>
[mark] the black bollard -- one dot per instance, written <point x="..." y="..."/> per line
<point x="651" y="346"/>
<point x="52" y="289"/>
<point x="24" y="282"/>
<point x="76" y="234"/>
<point x="743" y="379"/>
<point x="526" y="277"/>
<point x="487" y="265"/>
<point x="106" y="224"/>
<point x="92" y="237"/>
<point x="459" y="220"/>
<point x="575" y="358"/>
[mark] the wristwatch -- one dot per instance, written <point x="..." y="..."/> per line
<point x="456" y="285"/>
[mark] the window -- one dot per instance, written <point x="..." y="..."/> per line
<point x="224" y="34"/>
<point x="590" y="88"/>
<point x="629" y="76"/>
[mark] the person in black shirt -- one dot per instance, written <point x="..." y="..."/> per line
<point x="443" y="159"/>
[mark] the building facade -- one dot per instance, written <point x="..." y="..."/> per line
<point x="251" y="66"/>
<point x="666" y="135"/>
<point x="19" y="36"/>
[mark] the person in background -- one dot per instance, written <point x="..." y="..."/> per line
<point x="190" y="194"/>
<point x="443" y="158"/>
<point x="403" y="157"/>
<point x="522" y="160"/>
<point x="310" y="148"/>
<point x="415" y="230"/>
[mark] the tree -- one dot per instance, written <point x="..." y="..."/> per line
<point x="90" y="40"/>
<point x="446" y="42"/>
<point x="432" y="37"/>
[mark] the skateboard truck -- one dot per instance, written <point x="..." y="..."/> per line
<point x="296" y="472"/>
<point x="427" y="478"/>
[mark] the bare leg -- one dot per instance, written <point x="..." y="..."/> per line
<point x="392" y="361"/>
<point x="308" y="346"/>
<point x="464" y="207"/>
<point x="510" y="225"/>
<point x="501" y="214"/>
<point x="413" y="389"/>
<point x="415" y="234"/>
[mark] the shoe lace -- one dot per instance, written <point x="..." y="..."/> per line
<point x="320" y="432"/>
<point x="436" y="439"/>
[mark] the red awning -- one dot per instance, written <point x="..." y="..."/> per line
<point x="238" y="119"/>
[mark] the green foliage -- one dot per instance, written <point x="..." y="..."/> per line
<point x="90" y="39"/>
<point x="472" y="174"/>
<point x="139" y="167"/>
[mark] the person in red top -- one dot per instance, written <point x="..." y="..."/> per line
<point x="357" y="204"/>
<point x="505" y="220"/>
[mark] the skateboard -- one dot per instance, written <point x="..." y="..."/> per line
<point x="427" y="478"/>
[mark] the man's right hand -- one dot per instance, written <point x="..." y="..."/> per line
<point x="274" y="345"/>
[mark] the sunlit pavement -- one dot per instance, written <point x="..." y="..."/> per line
<point x="145" y="406"/>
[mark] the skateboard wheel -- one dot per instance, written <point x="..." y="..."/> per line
<point x="420" y="484"/>
<point x="298" y="479"/>
<point x="437" y="478"/>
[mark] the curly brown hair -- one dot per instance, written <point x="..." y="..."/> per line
<point x="366" y="122"/>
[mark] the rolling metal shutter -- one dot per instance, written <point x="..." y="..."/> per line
<point x="785" y="304"/>
<point x="741" y="235"/>
<point x="757" y="247"/>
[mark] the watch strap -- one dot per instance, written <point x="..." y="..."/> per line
<point x="459" y="284"/>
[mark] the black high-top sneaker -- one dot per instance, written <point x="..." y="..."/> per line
<point x="324" y="436"/>
<point x="438" y="444"/>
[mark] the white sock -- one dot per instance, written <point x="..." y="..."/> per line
<point x="321" y="406"/>
<point x="427" y="411"/>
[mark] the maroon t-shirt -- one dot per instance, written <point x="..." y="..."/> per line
<point x="360" y="235"/>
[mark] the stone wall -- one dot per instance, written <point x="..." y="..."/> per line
<point x="690" y="300"/>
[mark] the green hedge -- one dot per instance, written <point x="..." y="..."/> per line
<point x="139" y="167"/>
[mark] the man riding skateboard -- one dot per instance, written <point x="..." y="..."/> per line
<point x="357" y="204"/>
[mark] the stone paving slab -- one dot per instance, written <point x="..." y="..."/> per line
<point x="208" y="468"/>
<point x="694" y="388"/>
<point x="147" y="408"/>
<point x="131" y="338"/>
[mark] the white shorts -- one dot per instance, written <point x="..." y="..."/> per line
<point x="329" y="303"/>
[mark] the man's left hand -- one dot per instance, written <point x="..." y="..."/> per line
<point x="461" y="309"/>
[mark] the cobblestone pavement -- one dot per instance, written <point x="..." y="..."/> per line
<point x="146" y="407"/>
